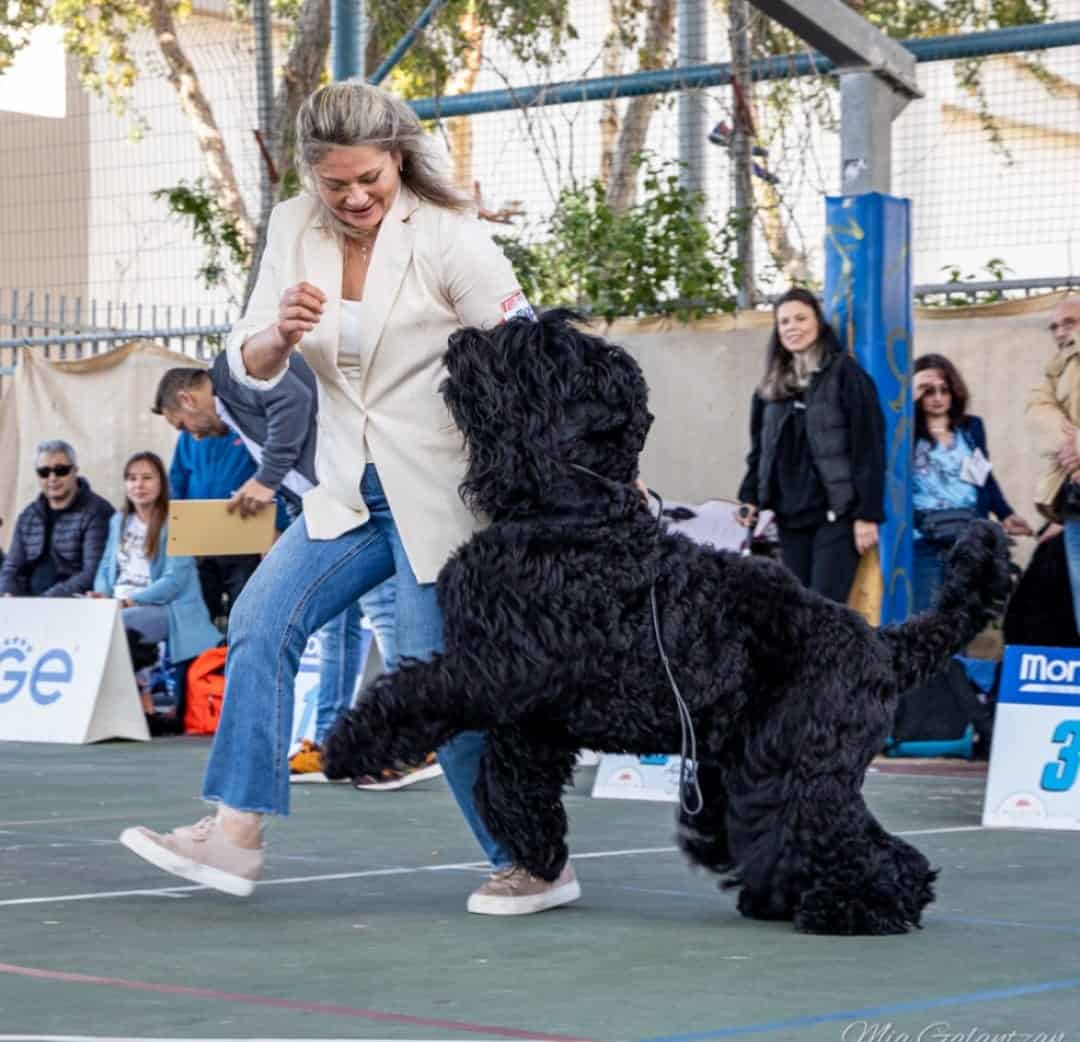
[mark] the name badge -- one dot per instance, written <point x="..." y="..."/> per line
<point x="976" y="469"/>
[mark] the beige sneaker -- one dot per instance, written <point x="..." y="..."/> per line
<point x="513" y="891"/>
<point x="200" y="852"/>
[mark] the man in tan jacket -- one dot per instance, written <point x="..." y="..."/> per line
<point x="1054" y="405"/>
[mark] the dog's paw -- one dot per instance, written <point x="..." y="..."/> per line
<point x="350" y="749"/>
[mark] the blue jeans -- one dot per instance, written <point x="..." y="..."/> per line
<point x="928" y="570"/>
<point x="342" y="643"/>
<point x="1072" y="557"/>
<point x="301" y="585"/>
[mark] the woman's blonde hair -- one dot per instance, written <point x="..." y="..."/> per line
<point x="352" y="113"/>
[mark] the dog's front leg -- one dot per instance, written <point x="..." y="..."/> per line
<point x="400" y="718"/>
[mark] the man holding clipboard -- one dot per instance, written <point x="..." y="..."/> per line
<point x="278" y="429"/>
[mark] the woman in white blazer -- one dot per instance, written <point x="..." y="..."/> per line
<point x="367" y="272"/>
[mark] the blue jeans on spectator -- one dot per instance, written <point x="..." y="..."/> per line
<point x="342" y="641"/>
<point x="301" y="585"/>
<point x="1072" y="557"/>
<point x="928" y="570"/>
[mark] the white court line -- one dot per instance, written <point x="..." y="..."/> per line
<point x="141" y="1038"/>
<point x="369" y="873"/>
<point x="64" y="821"/>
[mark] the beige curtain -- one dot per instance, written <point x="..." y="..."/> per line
<point x="101" y="405"/>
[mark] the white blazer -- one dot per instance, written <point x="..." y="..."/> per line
<point x="432" y="271"/>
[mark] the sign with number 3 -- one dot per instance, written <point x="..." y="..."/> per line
<point x="1035" y="757"/>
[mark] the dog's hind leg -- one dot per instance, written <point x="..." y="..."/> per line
<point x="519" y="794"/>
<point x="861" y="879"/>
<point x="704" y="836"/>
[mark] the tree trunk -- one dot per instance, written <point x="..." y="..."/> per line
<point x="185" y="81"/>
<point x="659" y="30"/>
<point x="459" y="128"/>
<point x="300" y="75"/>
<point x="793" y="262"/>
<point x="612" y="66"/>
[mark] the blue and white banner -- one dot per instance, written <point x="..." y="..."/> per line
<point x="65" y="672"/>
<point x="1035" y="757"/>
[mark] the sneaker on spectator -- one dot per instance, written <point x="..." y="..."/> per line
<point x="514" y="891"/>
<point x="200" y="852"/>
<point x="306" y="765"/>
<point x="391" y="779"/>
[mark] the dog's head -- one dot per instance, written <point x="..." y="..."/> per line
<point x="534" y="397"/>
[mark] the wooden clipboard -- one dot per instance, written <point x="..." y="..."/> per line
<point x="203" y="528"/>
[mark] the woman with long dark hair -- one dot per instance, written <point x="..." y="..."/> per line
<point x="159" y="595"/>
<point x="952" y="482"/>
<point x="817" y="455"/>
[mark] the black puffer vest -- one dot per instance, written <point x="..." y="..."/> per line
<point x="828" y="429"/>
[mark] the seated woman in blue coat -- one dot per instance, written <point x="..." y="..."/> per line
<point x="951" y="475"/>
<point x="160" y="596"/>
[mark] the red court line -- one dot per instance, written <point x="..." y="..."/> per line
<point x="293" y="1004"/>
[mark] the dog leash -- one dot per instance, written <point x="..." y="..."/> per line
<point x="689" y="787"/>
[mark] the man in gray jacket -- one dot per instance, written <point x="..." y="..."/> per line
<point x="277" y="426"/>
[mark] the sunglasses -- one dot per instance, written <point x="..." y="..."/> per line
<point x="62" y="470"/>
<point x="933" y="390"/>
<point x="1065" y="323"/>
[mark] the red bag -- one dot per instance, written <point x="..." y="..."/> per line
<point x="205" y="692"/>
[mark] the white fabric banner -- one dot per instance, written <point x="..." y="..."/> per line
<point x="65" y="672"/>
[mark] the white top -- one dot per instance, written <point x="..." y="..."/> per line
<point x="132" y="564"/>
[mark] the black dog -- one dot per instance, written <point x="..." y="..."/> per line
<point x="550" y="647"/>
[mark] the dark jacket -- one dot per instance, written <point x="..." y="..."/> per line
<point x="281" y="421"/>
<point x="79" y="534"/>
<point x="991" y="500"/>
<point x="846" y="435"/>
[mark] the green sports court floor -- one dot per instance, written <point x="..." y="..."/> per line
<point x="360" y="930"/>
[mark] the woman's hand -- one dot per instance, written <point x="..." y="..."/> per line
<point x="1051" y="531"/>
<point x="921" y="381"/>
<point x="299" y="312"/>
<point x="866" y="536"/>
<point x="1014" y="524"/>
<point x="747" y="515"/>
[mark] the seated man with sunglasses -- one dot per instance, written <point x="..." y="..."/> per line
<point x="60" y="537"/>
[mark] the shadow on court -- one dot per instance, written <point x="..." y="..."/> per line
<point x="360" y="929"/>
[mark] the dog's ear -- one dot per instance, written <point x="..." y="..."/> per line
<point x="503" y="394"/>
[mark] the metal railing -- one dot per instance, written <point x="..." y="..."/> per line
<point x="946" y="294"/>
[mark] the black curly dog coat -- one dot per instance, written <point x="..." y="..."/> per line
<point x="550" y="647"/>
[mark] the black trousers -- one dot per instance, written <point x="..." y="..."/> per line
<point x="222" y="579"/>
<point x="823" y="558"/>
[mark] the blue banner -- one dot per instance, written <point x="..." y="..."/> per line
<point x="868" y="295"/>
<point x="1040" y="676"/>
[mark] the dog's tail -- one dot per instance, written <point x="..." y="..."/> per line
<point x="975" y="587"/>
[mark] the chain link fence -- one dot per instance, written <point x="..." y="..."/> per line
<point x="91" y="255"/>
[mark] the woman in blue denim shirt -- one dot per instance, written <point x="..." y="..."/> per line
<point x="951" y="469"/>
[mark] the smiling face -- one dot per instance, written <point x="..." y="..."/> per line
<point x="1065" y="325"/>
<point x="797" y="326"/>
<point x="359" y="184"/>
<point x="142" y="484"/>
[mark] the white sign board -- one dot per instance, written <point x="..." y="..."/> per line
<point x="306" y="688"/>
<point x="65" y="672"/>
<point x="1034" y="777"/>
<point x="638" y="778"/>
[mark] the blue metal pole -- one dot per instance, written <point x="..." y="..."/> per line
<point x="347" y="31"/>
<point x="868" y="294"/>
<point x="715" y="74"/>
<point x="406" y="41"/>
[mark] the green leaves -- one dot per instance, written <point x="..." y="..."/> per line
<point x="662" y="256"/>
<point x="214" y="227"/>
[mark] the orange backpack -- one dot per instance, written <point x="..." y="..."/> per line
<point x="205" y="692"/>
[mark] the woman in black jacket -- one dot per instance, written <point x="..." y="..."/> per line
<point x="817" y="455"/>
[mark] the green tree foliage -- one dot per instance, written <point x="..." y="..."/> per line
<point x="662" y="255"/>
